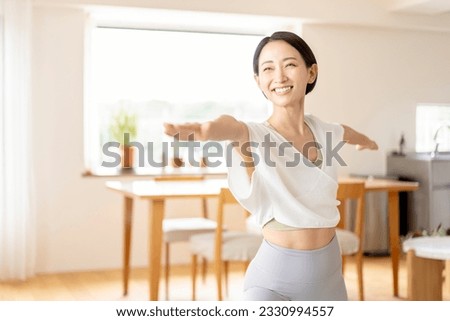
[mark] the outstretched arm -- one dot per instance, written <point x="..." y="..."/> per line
<point x="361" y="141"/>
<point x="223" y="128"/>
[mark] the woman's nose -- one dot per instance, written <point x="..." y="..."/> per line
<point x="280" y="76"/>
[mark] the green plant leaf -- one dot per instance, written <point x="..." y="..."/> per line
<point x="123" y="122"/>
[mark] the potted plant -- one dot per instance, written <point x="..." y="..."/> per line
<point x="123" y="130"/>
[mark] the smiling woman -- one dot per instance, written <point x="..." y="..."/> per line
<point x="295" y="206"/>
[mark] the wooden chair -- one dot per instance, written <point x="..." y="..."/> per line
<point x="222" y="246"/>
<point x="351" y="240"/>
<point x="181" y="229"/>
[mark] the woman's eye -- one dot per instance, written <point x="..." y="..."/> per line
<point x="290" y="65"/>
<point x="267" y="69"/>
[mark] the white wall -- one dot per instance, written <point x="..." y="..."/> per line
<point x="79" y="223"/>
<point x="63" y="198"/>
<point x="370" y="79"/>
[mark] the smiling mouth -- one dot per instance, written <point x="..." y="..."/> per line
<point x="282" y="90"/>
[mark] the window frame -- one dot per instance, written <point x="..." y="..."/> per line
<point x="425" y="141"/>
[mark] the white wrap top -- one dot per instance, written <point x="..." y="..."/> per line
<point x="285" y="185"/>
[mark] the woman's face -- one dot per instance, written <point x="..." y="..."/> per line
<point x="283" y="74"/>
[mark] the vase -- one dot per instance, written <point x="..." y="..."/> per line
<point x="127" y="160"/>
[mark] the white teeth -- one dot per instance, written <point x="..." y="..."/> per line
<point x="282" y="90"/>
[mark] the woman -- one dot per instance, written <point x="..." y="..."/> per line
<point x="284" y="171"/>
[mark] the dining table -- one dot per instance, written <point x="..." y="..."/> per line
<point x="157" y="192"/>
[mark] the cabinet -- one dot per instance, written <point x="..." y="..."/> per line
<point x="429" y="206"/>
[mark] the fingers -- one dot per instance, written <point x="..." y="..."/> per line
<point x="187" y="131"/>
<point x="169" y="129"/>
<point x="371" y="146"/>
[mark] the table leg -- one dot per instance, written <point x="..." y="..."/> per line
<point x="156" y="215"/>
<point x="394" y="231"/>
<point x="128" y="216"/>
<point x="342" y="224"/>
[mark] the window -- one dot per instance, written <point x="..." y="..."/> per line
<point x="432" y="126"/>
<point x="158" y="65"/>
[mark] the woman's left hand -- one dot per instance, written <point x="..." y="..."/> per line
<point x="371" y="145"/>
<point x="361" y="141"/>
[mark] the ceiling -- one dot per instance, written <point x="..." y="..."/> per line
<point x="428" y="7"/>
<point x="425" y="15"/>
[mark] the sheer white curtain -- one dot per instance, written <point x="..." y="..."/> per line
<point x="17" y="221"/>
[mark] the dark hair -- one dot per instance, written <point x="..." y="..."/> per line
<point x="296" y="42"/>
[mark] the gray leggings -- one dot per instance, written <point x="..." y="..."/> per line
<point x="282" y="274"/>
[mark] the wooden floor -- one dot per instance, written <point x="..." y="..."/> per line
<point x="107" y="285"/>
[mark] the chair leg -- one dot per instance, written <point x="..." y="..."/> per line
<point x="167" y="269"/>
<point x="359" y="266"/>
<point x="194" y="275"/>
<point x="218" y="272"/>
<point x="204" y="269"/>
<point x="225" y="271"/>
<point x="343" y="264"/>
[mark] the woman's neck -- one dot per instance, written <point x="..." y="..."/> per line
<point x="288" y="119"/>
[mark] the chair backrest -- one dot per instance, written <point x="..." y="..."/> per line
<point x="225" y="198"/>
<point x="352" y="190"/>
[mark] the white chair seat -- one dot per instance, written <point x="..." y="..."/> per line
<point x="348" y="241"/>
<point x="181" y="229"/>
<point x="237" y="246"/>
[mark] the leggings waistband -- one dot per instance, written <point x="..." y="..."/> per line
<point x="297" y="252"/>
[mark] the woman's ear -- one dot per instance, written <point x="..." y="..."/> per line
<point x="313" y="70"/>
<point x="257" y="82"/>
<point x="256" y="77"/>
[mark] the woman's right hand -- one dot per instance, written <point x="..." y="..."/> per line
<point x="225" y="127"/>
<point x="187" y="131"/>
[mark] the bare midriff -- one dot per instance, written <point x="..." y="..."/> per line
<point x="301" y="239"/>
